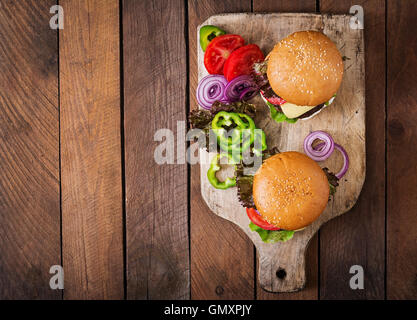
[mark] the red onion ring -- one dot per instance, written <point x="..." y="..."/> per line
<point x="236" y="86"/>
<point x="248" y="94"/>
<point x="210" y="89"/>
<point x="325" y="149"/>
<point x="345" y="167"/>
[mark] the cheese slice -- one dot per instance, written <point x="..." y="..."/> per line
<point x="293" y="111"/>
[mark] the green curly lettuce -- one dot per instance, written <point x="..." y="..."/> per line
<point x="333" y="181"/>
<point x="244" y="182"/>
<point x="269" y="236"/>
<point x="200" y="119"/>
<point x="279" y="116"/>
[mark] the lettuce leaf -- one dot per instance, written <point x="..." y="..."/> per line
<point x="333" y="181"/>
<point x="237" y="107"/>
<point x="279" y="116"/>
<point x="200" y="119"/>
<point x="244" y="190"/>
<point x="244" y="183"/>
<point x="269" y="236"/>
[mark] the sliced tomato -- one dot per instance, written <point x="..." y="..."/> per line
<point x="219" y="49"/>
<point x="256" y="218"/>
<point x="274" y="100"/>
<point x="241" y="61"/>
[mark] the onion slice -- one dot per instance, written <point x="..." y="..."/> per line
<point x="248" y="94"/>
<point x="210" y="89"/>
<point x="345" y="167"/>
<point x="237" y="86"/>
<point x="324" y="149"/>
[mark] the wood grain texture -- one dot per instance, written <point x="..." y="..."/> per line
<point x="402" y="152"/>
<point x="29" y="151"/>
<point x="156" y="195"/>
<point x="290" y="6"/>
<point x="311" y="289"/>
<point x="91" y="150"/>
<point x="222" y="257"/>
<point x="358" y="238"/>
<point x="346" y="125"/>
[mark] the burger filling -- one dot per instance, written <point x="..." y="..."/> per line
<point x="280" y="109"/>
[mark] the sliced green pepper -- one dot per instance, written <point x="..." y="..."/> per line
<point x="227" y="120"/>
<point x="244" y="142"/>
<point x="239" y="123"/>
<point x="208" y="33"/>
<point x="263" y="143"/>
<point x="215" y="167"/>
<point x="244" y="133"/>
<point x="249" y="123"/>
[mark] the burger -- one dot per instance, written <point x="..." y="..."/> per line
<point x="289" y="192"/>
<point x="300" y="76"/>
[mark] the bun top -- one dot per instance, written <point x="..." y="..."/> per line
<point x="305" y="68"/>
<point x="290" y="190"/>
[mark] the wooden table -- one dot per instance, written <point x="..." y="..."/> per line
<point x="79" y="185"/>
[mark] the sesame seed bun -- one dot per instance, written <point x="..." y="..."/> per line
<point x="305" y="68"/>
<point x="290" y="190"/>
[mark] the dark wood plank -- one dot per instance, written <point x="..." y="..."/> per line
<point x="358" y="237"/>
<point x="91" y="150"/>
<point x="402" y="152"/>
<point x="29" y="151"/>
<point x="311" y="290"/>
<point x="222" y="257"/>
<point x="156" y="195"/>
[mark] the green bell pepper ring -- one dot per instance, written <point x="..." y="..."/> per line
<point x="242" y="139"/>
<point x="208" y="33"/>
<point x="237" y="122"/>
<point x="264" y="146"/>
<point x="249" y="123"/>
<point x="243" y="143"/>
<point x="224" y="120"/>
<point x="215" y="167"/>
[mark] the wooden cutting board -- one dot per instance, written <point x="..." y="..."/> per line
<point x="344" y="120"/>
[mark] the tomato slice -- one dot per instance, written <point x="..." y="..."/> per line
<point x="274" y="100"/>
<point x="256" y="218"/>
<point x="219" y="49"/>
<point x="241" y="61"/>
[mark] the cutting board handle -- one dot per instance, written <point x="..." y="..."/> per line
<point x="282" y="266"/>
